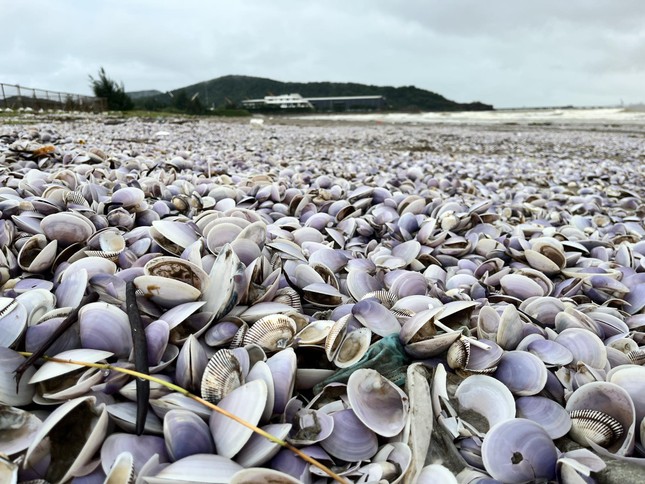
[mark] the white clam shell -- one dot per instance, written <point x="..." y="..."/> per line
<point x="377" y="402"/>
<point x="258" y="449"/>
<point x="247" y="402"/>
<point x="53" y="369"/>
<point x="488" y="397"/>
<point x="197" y="469"/>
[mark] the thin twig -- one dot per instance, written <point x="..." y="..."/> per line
<point x="64" y="326"/>
<point x="212" y="406"/>
<point x="140" y="348"/>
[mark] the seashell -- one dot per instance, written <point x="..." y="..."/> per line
<point x="67" y="228"/>
<point x="186" y="434"/>
<point x="261" y="475"/>
<point x="354" y="346"/>
<point x="584" y="345"/>
<point x="310" y="426"/>
<point x="283" y="369"/>
<point x="594" y="426"/>
<point x="377" y="402"/>
<point x="13" y="321"/>
<point x="37" y="302"/>
<point x="356" y="442"/>
<point x="522" y="287"/>
<point x="519" y="450"/>
<point x="322" y="295"/>
<point x="172" y="236"/>
<point x="436" y="473"/>
<point x="272" y="333"/>
<point x="122" y="471"/>
<point x="10" y="393"/>
<point x="166" y="292"/>
<point x="546" y="255"/>
<point x="549" y="414"/>
<point x="53" y="369"/>
<point x="191" y="365"/>
<point x="523" y="373"/>
<point x="314" y="333"/>
<point x="258" y="449"/>
<point x="17" y="429"/>
<point x="376" y="317"/>
<point x="105" y="327"/>
<point x="247" y="402"/>
<point x="89" y="420"/>
<point x="222" y="375"/>
<point x="597" y="406"/>
<point x="37" y="255"/>
<point x="335" y="337"/>
<point x="199" y="468"/>
<point x="488" y="397"/>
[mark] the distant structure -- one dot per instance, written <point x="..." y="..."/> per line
<point x="295" y="101"/>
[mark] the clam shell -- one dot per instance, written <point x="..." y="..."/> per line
<point x="353" y="347"/>
<point x="377" y="402"/>
<point x="356" y="442"/>
<point x="222" y="375"/>
<point x="272" y="333"/>
<point x="488" y="397"/>
<point x="247" y="402"/>
<point x="519" y="450"/>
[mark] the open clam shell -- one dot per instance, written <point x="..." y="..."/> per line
<point x="603" y="415"/>
<point x="377" y="402"/>
<point x="37" y="254"/>
<point x="353" y="347"/>
<point x="88" y="422"/>
<point x="18" y="429"/>
<point x="488" y="397"/>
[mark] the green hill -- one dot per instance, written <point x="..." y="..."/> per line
<point x="231" y="90"/>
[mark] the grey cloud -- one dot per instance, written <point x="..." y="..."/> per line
<point x="504" y="52"/>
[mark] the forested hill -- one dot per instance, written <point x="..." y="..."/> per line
<point x="229" y="90"/>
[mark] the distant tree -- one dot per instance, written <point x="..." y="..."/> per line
<point x="114" y="93"/>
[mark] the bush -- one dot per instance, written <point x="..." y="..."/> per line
<point x="117" y="99"/>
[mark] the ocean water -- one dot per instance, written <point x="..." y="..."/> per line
<point x="585" y="116"/>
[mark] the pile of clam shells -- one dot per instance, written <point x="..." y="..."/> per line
<point x="403" y="304"/>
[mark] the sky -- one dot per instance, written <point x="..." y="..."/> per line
<point x="509" y="53"/>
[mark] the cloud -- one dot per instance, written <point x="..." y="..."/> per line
<point x="504" y="52"/>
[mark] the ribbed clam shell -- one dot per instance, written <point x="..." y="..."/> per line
<point x="386" y="298"/>
<point x="272" y="333"/>
<point x="222" y="375"/>
<point x="122" y="471"/>
<point x="335" y="337"/>
<point x="594" y="426"/>
<point x="353" y="347"/>
<point x="237" y="341"/>
<point x="637" y="357"/>
<point x="459" y="354"/>
<point x="289" y="296"/>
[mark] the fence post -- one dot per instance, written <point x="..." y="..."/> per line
<point x="4" y="98"/>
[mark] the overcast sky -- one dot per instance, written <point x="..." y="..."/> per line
<point x="508" y="53"/>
